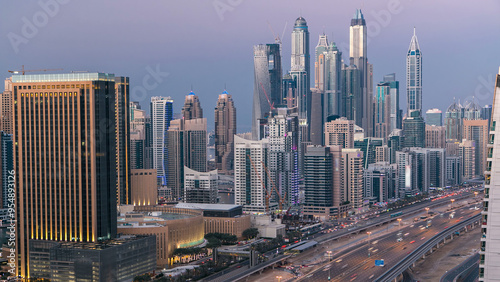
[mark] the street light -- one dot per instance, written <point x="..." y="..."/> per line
<point x="279" y="278"/>
<point x="399" y="223"/>
<point x="427" y="209"/>
<point x="329" y="255"/>
<point x="369" y="233"/>
<point x="452" y="200"/>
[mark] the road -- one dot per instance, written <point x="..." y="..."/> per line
<point x="359" y="263"/>
<point x="468" y="270"/>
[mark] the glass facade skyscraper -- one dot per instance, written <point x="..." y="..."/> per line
<point x="414" y="76"/>
<point x="161" y="115"/>
<point x="267" y="83"/>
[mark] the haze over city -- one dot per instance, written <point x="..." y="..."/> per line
<point x="207" y="45"/>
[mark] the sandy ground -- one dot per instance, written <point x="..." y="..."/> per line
<point x="448" y="256"/>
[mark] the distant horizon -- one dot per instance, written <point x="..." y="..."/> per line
<point x="207" y="47"/>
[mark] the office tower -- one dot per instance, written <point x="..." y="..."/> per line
<point x="250" y="157"/>
<point x="322" y="178"/>
<point x="161" y="115"/>
<point x="225" y="129"/>
<point x="434" y="117"/>
<point x="137" y="136"/>
<point x="328" y="75"/>
<point x="352" y="177"/>
<point x="472" y="110"/>
<point x="289" y="90"/>
<point x="340" y="132"/>
<point x="486" y="113"/>
<point x="6" y="123"/>
<point x="368" y="146"/>
<point x="352" y="95"/>
<point x="467" y="151"/>
<point x="453" y="121"/>
<point x="317" y="116"/>
<point x="6" y="166"/>
<point x="488" y="253"/>
<point x="382" y="154"/>
<point x="414" y="130"/>
<point x="414" y="76"/>
<point x="192" y="107"/>
<point x="283" y="156"/>
<point x="319" y="64"/>
<point x="452" y="147"/>
<point x="453" y="170"/>
<point x="122" y="131"/>
<point x="358" y="56"/>
<point x="395" y="143"/>
<point x="187" y="147"/>
<point x="395" y="114"/>
<point x="66" y="166"/>
<point x="382" y="110"/>
<point x="200" y="187"/>
<point x="435" y="136"/>
<point x="267" y="82"/>
<point x="379" y="182"/>
<point x="477" y="130"/>
<point x="300" y="65"/>
<point x="405" y="173"/>
<point x="148" y="143"/>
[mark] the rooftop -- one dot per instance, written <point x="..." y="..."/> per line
<point x="62" y="77"/>
<point x="220" y="207"/>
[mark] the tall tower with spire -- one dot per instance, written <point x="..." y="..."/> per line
<point x="414" y="75"/>
<point x="192" y="107"/>
<point x="301" y="65"/>
<point x="358" y="56"/>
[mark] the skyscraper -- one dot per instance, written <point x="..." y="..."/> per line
<point x="66" y="165"/>
<point x="161" y="115"/>
<point x="137" y="136"/>
<point x="340" y="132"/>
<point x="6" y="166"/>
<point x="352" y="177"/>
<point x="477" y="130"/>
<point x="358" y="54"/>
<point x="453" y="121"/>
<point x="434" y="117"/>
<point x="414" y="130"/>
<point x="414" y="76"/>
<point x="352" y="95"/>
<point x="225" y="129"/>
<point x="467" y="151"/>
<point x="396" y="118"/>
<point x="301" y="62"/>
<point x="488" y="253"/>
<point x="200" y="187"/>
<point x="267" y="82"/>
<point x="382" y="110"/>
<point x="317" y="117"/>
<point x="435" y="136"/>
<point x="122" y="131"/>
<point x="192" y="107"/>
<point x="283" y="157"/>
<point x="186" y="147"/>
<point x="328" y="75"/>
<point x="6" y="123"/>
<point x="250" y="158"/>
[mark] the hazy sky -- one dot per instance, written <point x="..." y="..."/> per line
<point x="208" y="43"/>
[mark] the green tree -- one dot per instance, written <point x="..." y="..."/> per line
<point x="250" y="233"/>
<point x="141" y="278"/>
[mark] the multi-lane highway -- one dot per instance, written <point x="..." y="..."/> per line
<point x="359" y="263"/>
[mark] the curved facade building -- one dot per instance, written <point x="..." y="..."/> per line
<point x="173" y="227"/>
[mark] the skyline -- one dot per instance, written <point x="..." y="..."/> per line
<point x="203" y="39"/>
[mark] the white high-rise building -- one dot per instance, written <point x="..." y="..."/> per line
<point x="161" y="115"/>
<point x="250" y="180"/>
<point x="414" y="75"/>
<point x="489" y="256"/>
<point x="300" y="66"/>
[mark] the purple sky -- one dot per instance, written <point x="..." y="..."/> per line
<point x="199" y="45"/>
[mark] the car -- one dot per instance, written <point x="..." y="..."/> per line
<point x="406" y="234"/>
<point x="339" y="260"/>
<point x="412" y="242"/>
<point x="404" y="248"/>
<point x="422" y="238"/>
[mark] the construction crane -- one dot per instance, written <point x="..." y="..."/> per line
<point x="268" y="193"/>
<point x="281" y="200"/>
<point x="23" y="71"/>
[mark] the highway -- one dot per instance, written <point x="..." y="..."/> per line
<point x="359" y="263"/>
